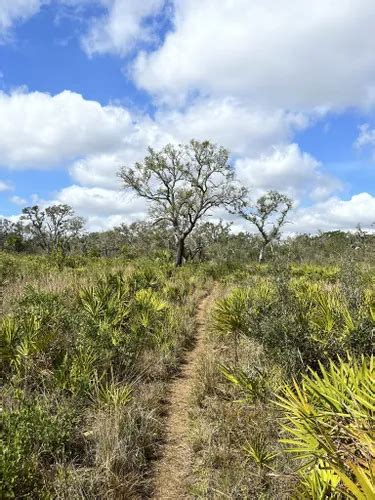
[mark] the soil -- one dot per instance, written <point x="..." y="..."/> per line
<point x="173" y="470"/>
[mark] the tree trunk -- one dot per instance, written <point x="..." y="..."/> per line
<point x="180" y="252"/>
<point x="261" y="254"/>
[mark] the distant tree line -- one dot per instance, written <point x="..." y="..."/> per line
<point x="210" y="241"/>
<point x="183" y="186"/>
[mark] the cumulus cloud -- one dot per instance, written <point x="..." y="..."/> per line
<point x="103" y="208"/>
<point x="240" y="127"/>
<point x="96" y="140"/>
<point x="37" y="129"/>
<point x="291" y="54"/>
<point x="16" y="10"/>
<point x="335" y="213"/>
<point x="288" y="169"/>
<point x="122" y="27"/>
<point x="97" y="170"/>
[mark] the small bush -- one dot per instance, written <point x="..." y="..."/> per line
<point x="330" y="418"/>
<point x="36" y="434"/>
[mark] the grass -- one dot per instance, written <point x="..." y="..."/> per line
<point x="86" y="357"/>
<point x="89" y="347"/>
<point x="266" y="330"/>
<point x="233" y="435"/>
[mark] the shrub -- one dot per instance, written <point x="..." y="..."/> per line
<point x="36" y="433"/>
<point x="298" y="321"/>
<point x="330" y="418"/>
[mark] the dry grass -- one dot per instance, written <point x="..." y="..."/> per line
<point x="222" y="428"/>
<point x="110" y="448"/>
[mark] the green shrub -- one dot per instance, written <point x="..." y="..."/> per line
<point x="33" y="337"/>
<point x="316" y="272"/>
<point x="36" y="434"/>
<point x="330" y="420"/>
<point x="8" y="267"/>
<point x="298" y="321"/>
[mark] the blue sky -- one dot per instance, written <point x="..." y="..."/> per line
<point x="86" y="86"/>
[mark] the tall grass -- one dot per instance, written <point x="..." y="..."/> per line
<point x="85" y="365"/>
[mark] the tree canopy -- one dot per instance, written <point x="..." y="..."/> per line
<point x="53" y="227"/>
<point x="268" y="215"/>
<point x="183" y="184"/>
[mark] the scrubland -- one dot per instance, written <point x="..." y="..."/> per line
<point x="282" y="404"/>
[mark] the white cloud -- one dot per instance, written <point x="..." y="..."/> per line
<point x="286" y="168"/>
<point x="38" y="130"/>
<point x="103" y="208"/>
<point x="241" y="128"/>
<point x="335" y="213"/>
<point x="293" y="54"/>
<point x="122" y="27"/>
<point x="18" y="200"/>
<point x="5" y="186"/>
<point x="95" y="141"/>
<point x="366" y="137"/>
<point x="97" y="170"/>
<point x="16" y="10"/>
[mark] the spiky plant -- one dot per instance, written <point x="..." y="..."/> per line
<point x="107" y="305"/>
<point x="22" y="338"/>
<point x="78" y="372"/>
<point x="257" y="450"/>
<point x="254" y="385"/>
<point x="319" y="483"/>
<point x="325" y="308"/>
<point x="330" y="418"/>
<point x="112" y="395"/>
<point x="230" y="313"/>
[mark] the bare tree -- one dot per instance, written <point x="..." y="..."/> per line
<point x="183" y="184"/>
<point x="268" y="215"/>
<point x="53" y="227"/>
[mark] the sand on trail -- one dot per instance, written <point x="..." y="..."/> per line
<point x="172" y="471"/>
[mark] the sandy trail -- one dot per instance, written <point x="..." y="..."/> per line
<point x="174" y="467"/>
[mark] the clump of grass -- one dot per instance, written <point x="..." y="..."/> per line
<point x="233" y="435"/>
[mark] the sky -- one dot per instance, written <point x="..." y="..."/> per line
<point x="287" y="86"/>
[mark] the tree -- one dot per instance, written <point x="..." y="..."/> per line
<point x="183" y="184"/>
<point x="11" y="236"/>
<point x="52" y="228"/>
<point x="268" y="215"/>
<point x="208" y="240"/>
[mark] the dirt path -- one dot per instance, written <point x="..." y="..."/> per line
<point x="173" y="469"/>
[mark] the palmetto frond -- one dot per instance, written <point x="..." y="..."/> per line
<point x="330" y="417"/>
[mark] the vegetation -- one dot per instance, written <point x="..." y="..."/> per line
<point x="268" y="215"/>
<point x="184" y="184"/>
<point x="288" y="370"/>
<point x="86" y="354"/>
<point x="52" y="228"/>
<point x="94" y="327"/>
